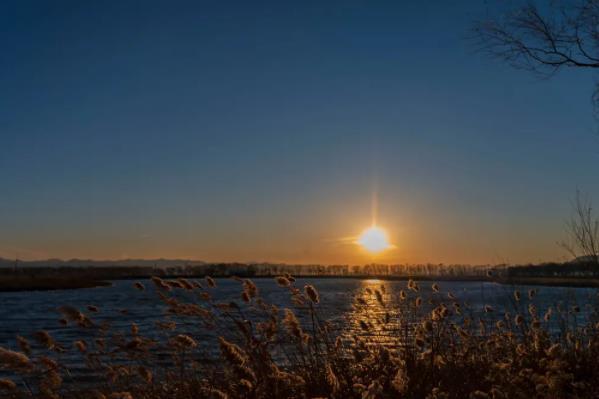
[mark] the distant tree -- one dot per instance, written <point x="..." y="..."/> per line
<point x="583" y="231"/>
<point x="564" y="34"/>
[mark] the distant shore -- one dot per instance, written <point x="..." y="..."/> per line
<point x="27" y="283"/>
<point x="57" y="275"/>
<point x="578" y="282"/>
<point x="32" y="281"/>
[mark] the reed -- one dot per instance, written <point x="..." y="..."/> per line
<point x="435" y="347"/>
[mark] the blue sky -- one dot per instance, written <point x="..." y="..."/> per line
<point x="257" y="131"/>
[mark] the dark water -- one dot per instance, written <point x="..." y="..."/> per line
<point x="23" y="313"/>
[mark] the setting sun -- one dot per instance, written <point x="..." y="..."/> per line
<point x="374" y="239"/>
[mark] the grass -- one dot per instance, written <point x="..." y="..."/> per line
<point x="405" y="344"/>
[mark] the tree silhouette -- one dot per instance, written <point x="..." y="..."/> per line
<point x="583" y="229"/>
<point x="563" y="35"/>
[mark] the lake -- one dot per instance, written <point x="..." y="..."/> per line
<point x="23" y="313"/>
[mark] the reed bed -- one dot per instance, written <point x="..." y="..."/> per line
<point x="410" y="345"/>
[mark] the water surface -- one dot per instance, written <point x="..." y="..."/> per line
<point x="23" y="313"/>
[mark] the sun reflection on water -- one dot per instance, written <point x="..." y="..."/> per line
<point x="388" y="313"/>
<point x="374" y="318"/>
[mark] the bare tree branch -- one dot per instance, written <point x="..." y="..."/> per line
<point x="583" y="229"/>
<point x="526" y="39"/>
<point x="544" y="42"/>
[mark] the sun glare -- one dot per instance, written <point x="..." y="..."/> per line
<point x="374" y="239"/>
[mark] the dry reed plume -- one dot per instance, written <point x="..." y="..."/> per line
<point x="407" y="345"/>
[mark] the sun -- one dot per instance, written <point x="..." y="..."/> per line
<point x="374" y="239"/>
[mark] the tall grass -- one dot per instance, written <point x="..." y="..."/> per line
<point x="405" y="345"/>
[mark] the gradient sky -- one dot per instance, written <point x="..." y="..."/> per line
<point x="254" y="131"/>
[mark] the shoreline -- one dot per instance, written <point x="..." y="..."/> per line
<point x="574" y="282"/>
<point x="21" y="283"/>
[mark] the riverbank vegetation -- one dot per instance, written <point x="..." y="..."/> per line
<point x="404" y="343"/>
<point x="581" y="273"/>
